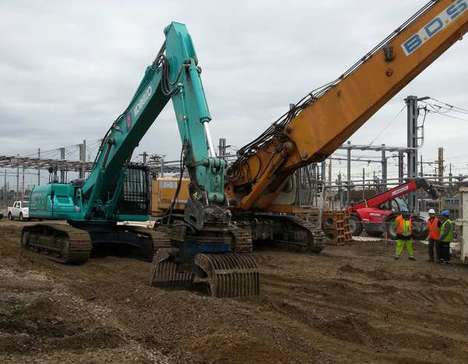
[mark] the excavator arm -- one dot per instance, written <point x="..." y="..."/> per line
<point x="174" y="75"/>
<point x="316" y="126"/>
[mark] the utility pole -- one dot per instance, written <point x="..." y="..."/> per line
<point x="22" y="186"/>
<point x="377" y="183"/>
<point x="38" y="168"/>
<point x="363" y="183"/>
<point x="222" y="148"/>
<point x="384" y="168"/>
<point x="313" y="171"/>
<point x="348" y="168"/>
<point x="340" y="190"/>
<point x="421" y="167"/>
<point x="323" y="169"/>
<point x="401" y="173"/>
<point x="162" y="165"/>
<point x="412" y="142"/>
<point x="329" y="173"/>
<point x="62" y="171"/>
<point x="145" y="156"/>
<point x="450" y="175"/>
<point x="17" y="182"/>
<point x="85" y="149"/>
<point x="82" y="149"/>
<point x="440" y="165"/>
<point x="5" y="193"/>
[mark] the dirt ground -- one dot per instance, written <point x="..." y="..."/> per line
<point x="351" y="304"/>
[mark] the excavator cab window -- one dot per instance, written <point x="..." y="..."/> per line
<point x="388" y="205"/>
<point x="401" y="204"/>
<point x="394" y="205"/>
<point x="135" y="194"/>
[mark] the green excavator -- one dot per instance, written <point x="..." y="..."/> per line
<point x="203" y="245"/>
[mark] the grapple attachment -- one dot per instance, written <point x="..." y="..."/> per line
<point x="189" y="258"/>
<point x="230" y="275"/>
<point x="164" y="274"/>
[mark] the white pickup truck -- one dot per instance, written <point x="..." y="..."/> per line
<point x="19" y="210"/>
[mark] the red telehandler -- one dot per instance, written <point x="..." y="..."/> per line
<point x="376" y="214"/>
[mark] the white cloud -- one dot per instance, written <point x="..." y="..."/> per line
<point x="69" y="68"/>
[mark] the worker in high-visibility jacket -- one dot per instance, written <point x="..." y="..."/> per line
<point x="433" y="227"/>
<point x="404" y="230"/>
<point x="446" y="237"/>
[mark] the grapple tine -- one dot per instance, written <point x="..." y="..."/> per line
<point x="230" y="275"/>
<point x="236" y="279"/>
<point x="227" y="292"/>
<point x="165" y="274"/>
<point x="217" y="285"/>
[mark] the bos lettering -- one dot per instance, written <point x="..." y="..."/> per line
<point x="412" y="44"/>
<point x="435" y="26"/>
<point x="456" y="9"/>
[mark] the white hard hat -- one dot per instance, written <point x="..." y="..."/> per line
<point x="431" y="211"/>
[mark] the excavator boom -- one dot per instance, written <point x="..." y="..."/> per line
<point x="325" y="118"/>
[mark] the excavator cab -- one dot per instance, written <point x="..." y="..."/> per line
<point x="135" y="198"/>
<point x="396" y="205"/>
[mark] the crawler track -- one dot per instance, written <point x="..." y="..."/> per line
<point x="242" y="239"/>
<point x="289" y="231"/>
<point x="59" y="242"/>
<point x="315" y="238"/>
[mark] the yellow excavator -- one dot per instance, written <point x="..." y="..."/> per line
<point x="258" y="184"/>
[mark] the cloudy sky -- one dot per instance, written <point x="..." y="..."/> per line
<point x="69" y="68"/>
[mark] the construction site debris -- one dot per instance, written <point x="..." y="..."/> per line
<point x="351" y="304"/>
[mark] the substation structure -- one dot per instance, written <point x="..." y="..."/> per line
<point x="21" y="172"/>
<point x="327" y="181"/>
